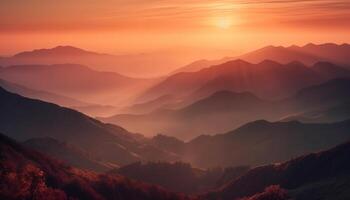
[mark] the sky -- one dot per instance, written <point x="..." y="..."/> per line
<point x="207" y="28"/>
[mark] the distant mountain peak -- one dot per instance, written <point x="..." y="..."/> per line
<point x="61" y="50"/>
<point x="67" y="47"/>
<point x="237" y="62"/>
<point x="230" y="94"/>
<point x="310" y="45"/>
<point x="260" y="124"/>
<point x="296" y="62"/>
<point x="269" y="62"/>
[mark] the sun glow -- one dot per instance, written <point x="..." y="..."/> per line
<point x="224" y="23"/>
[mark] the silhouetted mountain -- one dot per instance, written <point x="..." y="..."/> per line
<point x="281" y="54"/>
<point x="325" y="95"/>
<point x="226" y="101"/>
<point x="330" y="71"/>
<point x="71" y="154"/>
<point x="263" y="142"/>
<point x="268" y="79"/>
<point x="42" y="95"/>
<point x="322" y="176"/>
<point x="77" y="81"/>
<point x="231" y="173"/>
<point x="329" y="51"/>
<point x="26" y="174"/>
<point x="308" y="54"/>
<point x="168" y="143"/>
<point x="59" y="51"/>
<point x="23" y="119"/>
<point x="227" y="110"/>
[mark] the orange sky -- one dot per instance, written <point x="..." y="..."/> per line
<point x="208" y="27"/>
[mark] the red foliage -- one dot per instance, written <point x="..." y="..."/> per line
<point x="25" y="174"/>
<point x="273" y="192"/>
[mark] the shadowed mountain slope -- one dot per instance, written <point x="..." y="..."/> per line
<point x="71" y="154"/>
<point x="23" y="119"/>
<point x="263" y="142"/>
<point x="87" y="108"/>
<point x="43" y="95"/>
<point x="323" y="175"/>
<point x="326" y="95"/>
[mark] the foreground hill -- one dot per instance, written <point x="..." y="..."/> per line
<point x="229" y="110"/>
<point x="169" y="175"/>
<point x="321" y="176"/>
<point x="76" y="81"/>
<point x="22" y="118"/>
<point x="26" y="174"/>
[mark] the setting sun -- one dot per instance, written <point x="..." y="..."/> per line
<point x="224" y="22"/>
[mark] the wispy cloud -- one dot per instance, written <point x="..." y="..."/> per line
<point x="96" y="14"/>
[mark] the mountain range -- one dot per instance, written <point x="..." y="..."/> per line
<point x="24" y="119"/>
<point x="267" y="79"/>
<point x="153" y="64"/>
<point x="27" y="174"/>
<point x="308" y="54"/>
<point x="229" y="110"/>
<point x="251" y="127"/>
<point x="136" y="65"/>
